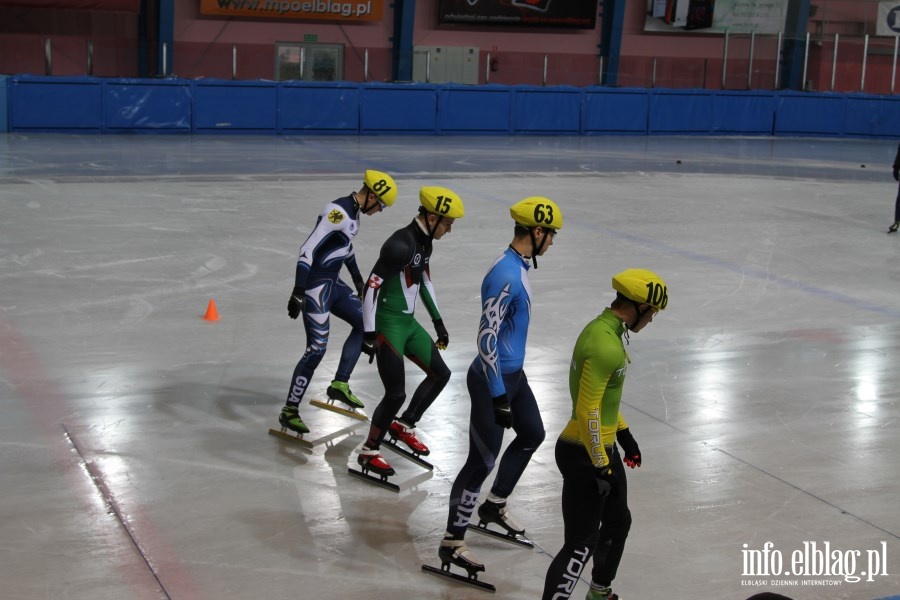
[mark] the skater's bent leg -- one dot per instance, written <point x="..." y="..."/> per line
<point x="485" y="440"/>
<point x="581" y="508"/>
<point x="317" y="329"/>
<point x="616" y="519"/>
<point x="529" y="429"/>
<point x="390" y="369"/>
<point x="422" y="351"/>
<point x="347" y="307"/>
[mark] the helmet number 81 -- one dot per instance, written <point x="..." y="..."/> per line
<point x="657" y="295"/>
<point x="381" y="187"/>
<point x="442" y="205"/>
<point x="543" y="213"/>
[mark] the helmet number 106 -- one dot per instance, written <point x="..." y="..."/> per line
<point x="657" y="295"/>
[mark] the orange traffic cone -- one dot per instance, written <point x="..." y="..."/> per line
<point x="211" y="313"/>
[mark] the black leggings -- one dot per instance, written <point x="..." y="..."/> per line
<point x="486" y="440"/>
<point x="583" y="512"/>
<point x="393" y="377"/>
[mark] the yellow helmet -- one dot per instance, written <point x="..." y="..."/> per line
<point x="441" y="201"/>
<point x="382" y="185"/>
<point x="537" y="211"/>
<point x="642" y="286"/>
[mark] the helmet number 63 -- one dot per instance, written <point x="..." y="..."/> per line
<point x="543" y="213"/>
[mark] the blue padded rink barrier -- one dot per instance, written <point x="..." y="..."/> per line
<point x="135" y="457"/>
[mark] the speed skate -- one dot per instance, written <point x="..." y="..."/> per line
<point x="374" y="469"/>
<point x="289" y="436"/>
<point x="353" y="413"/>
<point x="513" y="532"/>
<point x="455" y="552"/>
<point x="412" y="448"/>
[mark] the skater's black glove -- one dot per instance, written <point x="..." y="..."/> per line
<point x="896" y="174"/>
<point x="605" y="481"/>
<point x="443" y="338"/>
<point x="630" y="448"/>
<point x="502" y="412"/>
<point x="297" y="303"/>
<point x="370" y="344"/>
<point x="360" y="286"/>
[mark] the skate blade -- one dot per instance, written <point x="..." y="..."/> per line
<point x="506" y="537"/>
<point x="377" y="480"/>
<point x="471" y="580"/>
<point x="393" y="447"/>
<point x="294" y="438"/>
<point x="353" y="413"/>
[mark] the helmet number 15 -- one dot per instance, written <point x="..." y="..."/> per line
<point x="657" y="295"/>
<point x="442" y="205"/>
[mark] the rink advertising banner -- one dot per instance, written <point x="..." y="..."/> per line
<point x="888" y="19"/>
<point x="716" y="16"/>
<point x="571" y="14"/>
<point x="357" y="10"/>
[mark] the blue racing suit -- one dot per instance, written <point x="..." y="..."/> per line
<point x="498" y="370"/>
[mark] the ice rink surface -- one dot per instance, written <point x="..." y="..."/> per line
<point x="135" y="457"/>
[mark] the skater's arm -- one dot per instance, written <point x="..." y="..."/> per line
<point x="426" y="292"/>
<point x="352" y="266"/>
<point x="495" y="300"/>
<point x="395" y="254"/>
<point x="588" y="409"/>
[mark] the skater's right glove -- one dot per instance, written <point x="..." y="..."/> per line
<point x="370" y="344"/>
<point x="502" y="412"/>
<point x="605" y="481"/>
<point x="630" y="448"/>
<point x="297" y="303"/>
<point x="443" y="338"/>
<point x="896" y="174"/>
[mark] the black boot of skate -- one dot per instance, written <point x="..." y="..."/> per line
<point x="492" y="512"/>
<point x="456" y="552"/>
